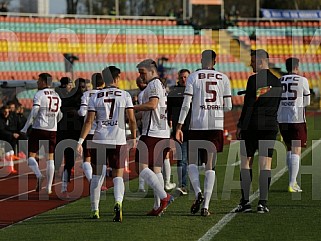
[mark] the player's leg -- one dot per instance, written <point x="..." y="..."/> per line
<point x="264" y="182"/>
<point x="167" y="172"/>
<point x="209" y="182"/>
<point x="182" y="170"/>
<point x="295" y="166"/>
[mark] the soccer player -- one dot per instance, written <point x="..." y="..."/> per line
<point x="44" y="116"/>
<point x="209" y="92"/>
<point x="98" y="84"/>
<point x="174" y="104"/>
<point x="108" y="108"/>
<point x="155" y="135"/>
<point x="291" y="118"/>
<point x="258" y="128"/>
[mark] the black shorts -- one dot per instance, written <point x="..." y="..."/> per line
<point x="261" y="140"/>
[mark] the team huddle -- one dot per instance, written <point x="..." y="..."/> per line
<point x="270" y="105"/>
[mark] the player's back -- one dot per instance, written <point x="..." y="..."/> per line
<point x="49" y="104"/>
<point x="84" y="106"/>
<point x="291" y="109"/>
<point x="110" y="105"/>
<point x="208" y="88"/>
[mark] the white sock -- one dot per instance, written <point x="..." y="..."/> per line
<point x="295" y="165"/>
<point x="64" y="183"/>
<point x="119" y="188"/>
<point x="11" y="153"/>
<point x="156" y="197"/>
<point x="141" y="183"/>
<point x="194" y="176"/>
<point x="208" y="187"/>
<point x="103" y="175"/>
<point x="95" y="192"/>
<point x="167" y="170"/>
<point x="33" y="164"/>
<point x="88" y="170"/>
<point x="288" y="163"/>
<point x="50" y="171"/>
<point x="151" y="179"/>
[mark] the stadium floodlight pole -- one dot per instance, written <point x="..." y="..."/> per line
<point x="184" y="9"/>
<point x="257" y="9"/>
<point x="190" y="9"/>
<point x="117" y="7"/>
<point x="222" y="12"/>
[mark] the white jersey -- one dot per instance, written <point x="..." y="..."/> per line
<point x="110" y="105"/>
<point x="208" y="88"/>
<point x="49" y="104"/>
<point x="295" y="97"/>
<point x="140" y="97"/>
<point x="155" y="121"/>
<point x="84" y="107"/>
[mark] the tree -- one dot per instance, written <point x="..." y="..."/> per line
<point x="72" y="6"/>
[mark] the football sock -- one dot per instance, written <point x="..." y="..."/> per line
<point x="208" y="187"/>
<point x="95" y="192"/>
<point x="88" y="170"/>
<point x="246" y="179"/>
<point x="167" y="170"/>
<point x="288" y="163"/>
<point x="295" y="165"/>
<point x="151" y="179"/>
<point x="141" y="183"/>
<point x="64" y="181"/>
<point x="194" y="177"/>
<point x="33" y="164"/>
<point x="156" y="198"/>
<point x="264" y="184"/>
<point x="118" y="189"/>
<point x="50" y="171"/>
<point x="103" y="175"/>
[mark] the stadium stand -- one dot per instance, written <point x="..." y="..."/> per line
<point x="284" y="39"/>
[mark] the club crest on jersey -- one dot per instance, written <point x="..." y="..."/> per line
<point x="263" y="90"/>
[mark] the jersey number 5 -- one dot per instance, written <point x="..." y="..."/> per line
<point x="213" y="92"/>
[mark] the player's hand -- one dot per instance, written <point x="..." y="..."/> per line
<point x="179" y="136"/>
<point x="132" y="143"/>
<point x="79" y="149"/>
<point x="238" y="134"/>
<point x="23" y="131"/>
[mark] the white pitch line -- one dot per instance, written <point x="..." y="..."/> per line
<point x="210" y="234"/>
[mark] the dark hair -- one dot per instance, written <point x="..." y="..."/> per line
<point x="47" y="78"/>
<point x="291" y="63"/>
<point x="148" y="64"/>
<point x="97" y="80"/>
<point x="110" y="73"/>
<point x="260" y="53"/>
<point x="183" y="71"/>
<point x="65" y="81"/>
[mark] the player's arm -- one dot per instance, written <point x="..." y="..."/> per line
<point x="306" y="93"/>
<point x="83" y="106"/>
<point x="182" y="116"/>
<point x="150" y="105"/>
<point x="85" y="130"/>
<point x="227" y="97"/>
<point x="33" y="114"/>
<point x="132" y="123"/>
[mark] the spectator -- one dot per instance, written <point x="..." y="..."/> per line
<point x="174" y="104"/>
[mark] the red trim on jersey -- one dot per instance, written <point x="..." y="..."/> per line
<point x="227" y="96"/>
<point x="188" y="94"/>
<point x="154" y="97"/>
